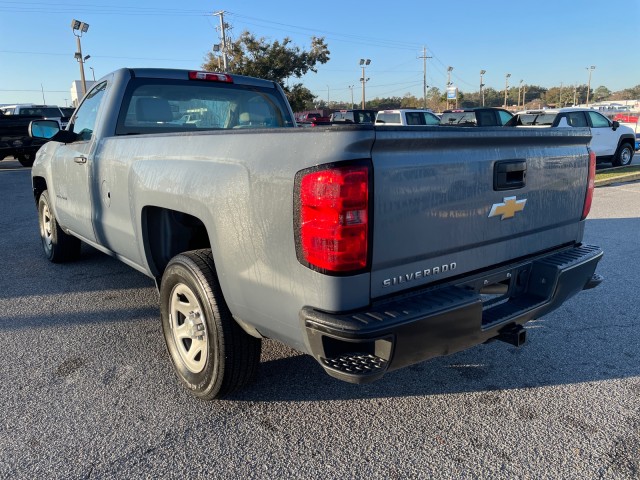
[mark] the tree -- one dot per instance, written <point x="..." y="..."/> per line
<point x="277" y="61"/>
<point x="601" y="93"/>
<point x="433" y="99"/>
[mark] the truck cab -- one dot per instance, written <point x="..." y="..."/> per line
<point x="407" y="117"/>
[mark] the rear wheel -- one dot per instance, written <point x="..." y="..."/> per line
<point x="210" y="352"/>
<point x="26" y="160"/>
<point x="624" y="155"/>
<point x="57" y="245"/>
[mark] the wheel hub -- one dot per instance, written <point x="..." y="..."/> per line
<point x="195" y="326"/>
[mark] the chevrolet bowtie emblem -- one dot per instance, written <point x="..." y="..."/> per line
<point x="508" y="208"/>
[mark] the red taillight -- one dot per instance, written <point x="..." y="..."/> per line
<point x="590" y="184"/>
<point x="210" y="77"/>
<point x="333" y="226"/>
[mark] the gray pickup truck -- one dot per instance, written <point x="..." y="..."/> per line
<point x="370" y="248"/>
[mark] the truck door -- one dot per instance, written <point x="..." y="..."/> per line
<point x="71" y="169"/>
<point x="604" y="141"/>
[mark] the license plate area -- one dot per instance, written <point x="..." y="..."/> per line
<point x="500" y="293"/>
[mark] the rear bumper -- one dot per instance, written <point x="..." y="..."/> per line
<point x="360" y="346"/>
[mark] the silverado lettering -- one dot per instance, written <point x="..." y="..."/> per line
<point x="419" y="274"/>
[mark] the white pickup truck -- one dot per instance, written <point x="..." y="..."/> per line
<point x="610" y="141"/>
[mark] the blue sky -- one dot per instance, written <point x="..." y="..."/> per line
<point x="541" y="42"/>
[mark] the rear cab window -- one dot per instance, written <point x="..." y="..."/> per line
<point x="153" y="105"/>
<point x="392" y="118"/>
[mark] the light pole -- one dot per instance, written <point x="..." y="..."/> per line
<point x="351" y="88"/>
<point x="364" y="63"/>
<point x="506" y="87"/>
<point x="590" y="69"/>
<point x="449" y="70"/>
<point x="93" y="74"/>
<point x="80" y="27"/>
<point x="482" y="72"/>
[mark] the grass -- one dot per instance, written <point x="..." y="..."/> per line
<point x="617" y="172"/>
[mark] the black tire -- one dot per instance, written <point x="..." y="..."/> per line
<point x="26" y="160"/>
<point x="623" y="155"/>
<point x="57" y="245"/>
<point x="211" y="354"/>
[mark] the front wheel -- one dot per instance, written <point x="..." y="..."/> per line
<point x="210" y="352"/>
<point x="58" y="246"/>
<point x="623" y="156"/>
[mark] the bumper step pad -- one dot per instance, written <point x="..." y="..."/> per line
<point x="356" y="364"/>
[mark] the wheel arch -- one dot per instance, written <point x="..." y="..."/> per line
<point x="167" y="233"/>
<point x="39" y="185"/>
<point x="630" y="139"/>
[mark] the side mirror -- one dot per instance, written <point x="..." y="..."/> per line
<point x="615" y="124"/>
<point x="43" y="129"/>
<point x="50" y="130"/>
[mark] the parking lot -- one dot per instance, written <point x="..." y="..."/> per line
<point x="88" y="391"/>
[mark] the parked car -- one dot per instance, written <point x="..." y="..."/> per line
<point x="47" y="112"/>
<point x="610" y="141"/>
<point x="476" y="117"/>
<point x="407" y="117"/>
<point x="354" y="116"/>
<point x="15" y="140"/>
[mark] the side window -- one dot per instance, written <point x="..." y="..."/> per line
<point x="486" y="119"/>
<point x="598" y="121"/>
<point x="87" y="114"/>
<point x="576" y="119"/>
<point x="414" y="118"/>
<point x="504" y="117"/>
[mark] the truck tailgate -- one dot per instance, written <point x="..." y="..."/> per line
<point x="449" y="201"/>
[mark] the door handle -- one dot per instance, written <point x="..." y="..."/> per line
<point x="80" y="159"/>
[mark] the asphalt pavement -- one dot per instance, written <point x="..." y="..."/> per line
<point x="88" y="391"/>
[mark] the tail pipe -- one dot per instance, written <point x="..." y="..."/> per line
<point x="513" y="334"/>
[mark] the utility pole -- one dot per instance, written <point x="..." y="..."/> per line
<point x="223" y="46"/>
<point x="449" y="69"/>
<point x="560" y="96"/>
<point x="482" y="72"/>
<point x="575" y="94"/>
<point x="519" y="89"/>
<point x="424" y="76"/>
<point x="591" y="69"/>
